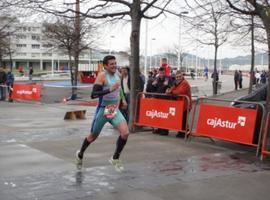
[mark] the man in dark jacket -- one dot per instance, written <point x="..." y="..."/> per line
<point x="3" y="79"/>
<point x="9" y="83"/>
<point x="159" y="85"/>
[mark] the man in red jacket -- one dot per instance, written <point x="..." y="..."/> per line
<point x="164" y="64"/>
<point x="182" y="87"/>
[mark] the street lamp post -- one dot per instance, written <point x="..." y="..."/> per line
<point x="151" y="52"/>
<point x="196" y="65"/>
<point x="179" y="38"/>
<point x="111" y="38"/>
<point x="146" y="48"/>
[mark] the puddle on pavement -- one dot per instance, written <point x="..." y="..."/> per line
<point x="209" y="163"/>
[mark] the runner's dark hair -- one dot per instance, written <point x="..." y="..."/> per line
<point x="107" y="58"/>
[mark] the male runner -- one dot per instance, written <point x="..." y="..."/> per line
<point x="106" y="88"/>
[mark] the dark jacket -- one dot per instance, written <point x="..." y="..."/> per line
<point x="212" y="76"/>
<point x="160" y="87"/>
<point x="10" y="78"/>
<point x="3" y="77"/>
<point x="141" y="82"/>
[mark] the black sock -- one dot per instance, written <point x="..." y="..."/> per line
<point x="85" y="144"/>
<point x="119" y="147"/>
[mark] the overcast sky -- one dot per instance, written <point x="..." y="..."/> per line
<point x="163" y="34"/>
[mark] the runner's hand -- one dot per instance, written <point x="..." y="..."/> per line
<point x="115" y="86"/>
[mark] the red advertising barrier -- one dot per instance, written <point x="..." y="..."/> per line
<point x="266" y="139"/>
<point x="88" y="79"/>
<point x="227" y="123"/>
<point x="27" y="92"/>
<point x="160" y="113"/>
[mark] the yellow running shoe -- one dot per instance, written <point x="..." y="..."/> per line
<point x="78" y="160"/>
<point x="118" y="166"/>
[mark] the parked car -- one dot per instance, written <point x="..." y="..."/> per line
<point x="259" y="95"/>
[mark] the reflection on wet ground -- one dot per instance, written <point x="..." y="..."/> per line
<point x="72" y="184"/>
<point x="28" y="135"/>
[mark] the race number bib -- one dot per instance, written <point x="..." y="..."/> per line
<point x="110" y="111"/>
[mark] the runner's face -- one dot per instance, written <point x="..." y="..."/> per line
<point x="111" y="66"/>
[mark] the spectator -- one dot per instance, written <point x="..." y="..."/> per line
<point x="21" y="70"/>
<point x="159" y="85"/>
<point x="151" y="78"/>
<point x="205" y="71"/>
<point x="166" y="66"/>
<point x="142" y="82"/>
<point x="31" y="71"/>
<point x="236" y="79"/>
<point x="3" y="79"/>
<point x="240" y="79"/>
<point x="125" y="85"/>
<point x="192" y="74"/>
<point x="9" y="83"/>
<point x="263" y="77"/>
<point x="155" y="73"/>
<point x="215" y="80"/>
<point x="253" y="78"/>
<point x="182" y="87"/>
<point x="258" y="77"/>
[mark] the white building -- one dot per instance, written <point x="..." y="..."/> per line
<point x="30" y="49"/>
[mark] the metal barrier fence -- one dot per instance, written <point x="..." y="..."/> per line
<point x="48" y="92"/>
<point x="162" y="111"/>
<point x="266" y="140"/>
<point x="235" y="124"/>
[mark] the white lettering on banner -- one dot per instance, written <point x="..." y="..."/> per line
<point x="34" y="90"/>
<point x="27" y="92"/>
<point x="156" y="114"/>
<point x="217" y="122"/>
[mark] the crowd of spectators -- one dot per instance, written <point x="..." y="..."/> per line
<point x="6" y="84"/>
<point x="165" y="81"/>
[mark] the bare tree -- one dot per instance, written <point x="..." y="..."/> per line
<point x="5" y="4"/>
<point x="248" y="31"/>
<point x="7" y="31"/>
<point x="262" y="10"/>
<point x="212" y="23"/>
<point x="130" y="10"/>
<point x="62" y="35"/>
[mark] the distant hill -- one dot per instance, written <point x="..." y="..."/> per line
<point x="190" y="60"/>
<point x="260" y="59"/>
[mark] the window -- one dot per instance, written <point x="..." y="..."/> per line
<point x="35" y="46"/>
<point x="20" y="45"/>
<point x="47" y="54"/>
<point x="47" y="45"/>
<point x="21" y="36"/>
<point x="35" y="54"/>
<point x="21" y="54"/>
<point x="36" y="37"/>
<point x="35" y="29"/>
